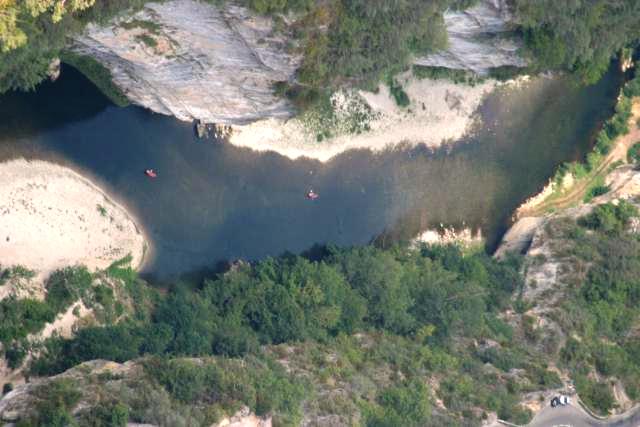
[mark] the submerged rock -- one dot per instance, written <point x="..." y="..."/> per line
<point x="480" y="38"/>
<point x="212" y="130"/>
<point x="192" y="60"/>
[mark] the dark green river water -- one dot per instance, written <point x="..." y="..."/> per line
<point x="213" y="202"/>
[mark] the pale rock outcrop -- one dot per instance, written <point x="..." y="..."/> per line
<point x="480" y="38"/>
<point x="21" y="399"/>
<point x="244" y="418"/>
<point x="218" y="64"/>
<point x="193" y="60"/>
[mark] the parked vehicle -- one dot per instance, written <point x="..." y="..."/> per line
<point x="560" y="400"/>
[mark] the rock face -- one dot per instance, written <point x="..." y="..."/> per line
<point x="480" y="38"/>
<point x="195" y="61"/>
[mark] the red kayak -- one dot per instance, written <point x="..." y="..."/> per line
<point x="150" y="173"/>
<point x="312" y="195"/>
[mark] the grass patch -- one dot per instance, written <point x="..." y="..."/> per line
<point x="152" y="27"/>
<point x="596" y="188"/>
<point x="442" y="73"/>
<point x="147" y="40"/>
<point x="98" y="74"/>
<point x="15" y="272"/>
<point x="507" y="72"/>
<point x="102" y="210"/>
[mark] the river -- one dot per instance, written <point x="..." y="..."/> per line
<point x="213" y="202"/>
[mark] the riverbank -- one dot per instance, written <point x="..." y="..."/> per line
<point x="52" y="217"/>
<point x="440" y="111"/>
<point x="572" y="190"/>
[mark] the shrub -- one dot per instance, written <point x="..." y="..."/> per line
<point x="17" y="271"/>
<point x="54" y="406"/>
<point x="18" y="318"/>
<point x="15" y="355"/>
<point x="111" y="414"/>
<point x="406" y="405"/>
<point x="609" y="218"/>
<point x="66" y="286"/>
<point x="597" y="395"/>
<point x="596" y="189"/>
<point x="633" y="154"/>
<point x="399" y="95"/>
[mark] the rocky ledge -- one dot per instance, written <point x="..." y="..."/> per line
<point x="218" y="64"/>
<point x="480" y="38"/>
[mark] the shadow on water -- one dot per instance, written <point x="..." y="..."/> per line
<point x="213" y="202"/>
<point x="69" y="100"/>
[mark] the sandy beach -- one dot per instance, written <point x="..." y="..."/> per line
<point x="440" y="111"/>
<point x="52" y="217"/>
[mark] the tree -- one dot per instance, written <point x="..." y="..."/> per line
<point x="14" y="14"/>
<point x="578" y="35"/>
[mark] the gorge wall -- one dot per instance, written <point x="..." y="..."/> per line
<point x="194" y="60"/>
<point x="480" y="38"/>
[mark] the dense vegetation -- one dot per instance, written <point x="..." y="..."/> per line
<point x="368" y="329"/>
<point x="599" y="313"/>
<point x="578" y="35"/>
<point x="378" y="324"/>
<point x="33" y="33"/>
<point x="20" y="317"/>
<point x="423" y="311"/>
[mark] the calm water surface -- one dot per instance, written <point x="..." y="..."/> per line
<point x="213" y="201"/>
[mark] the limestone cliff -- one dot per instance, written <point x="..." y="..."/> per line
<point x="480" y="38"/>
<point x="195" y="61"/>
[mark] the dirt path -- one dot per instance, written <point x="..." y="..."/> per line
<point x="576" y="192"/>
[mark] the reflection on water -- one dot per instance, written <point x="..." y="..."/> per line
<point x="213" y="201"/>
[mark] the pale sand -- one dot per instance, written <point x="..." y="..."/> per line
<point x="50" y="219"/>
<point x="440" y="111"/>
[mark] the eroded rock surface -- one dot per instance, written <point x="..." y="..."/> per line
<point x="195" y="61"/>
<point x="480" y="38"/>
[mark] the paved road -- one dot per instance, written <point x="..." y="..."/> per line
<point x="574" y="416"/>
